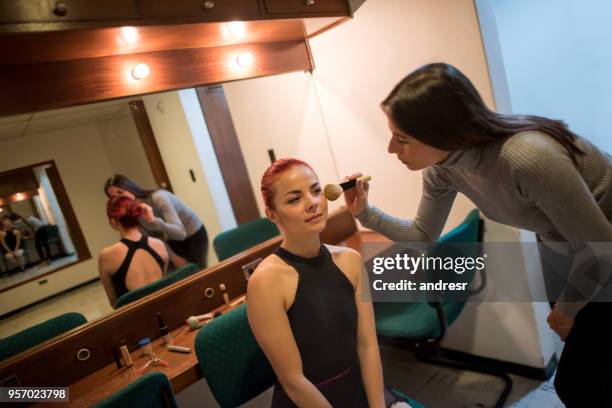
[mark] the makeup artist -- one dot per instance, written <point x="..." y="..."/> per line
<point x="528" y="172"/>
<point x="165" y="213"/>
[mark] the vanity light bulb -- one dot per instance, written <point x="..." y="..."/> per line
<point x="244" y="59"/>
<point x="141" y="71"/>
<point x="129" y="35"/>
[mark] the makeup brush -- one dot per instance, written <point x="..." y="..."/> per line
<point x="333" y="191"/>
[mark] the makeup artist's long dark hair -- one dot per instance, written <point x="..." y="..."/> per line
<point x="124" y="183"/>
<point x="440" y="107"/>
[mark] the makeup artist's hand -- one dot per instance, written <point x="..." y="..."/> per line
<point x="560" y="323"/>
<point x="356" y="198"/>
<point x="147" y="213"/>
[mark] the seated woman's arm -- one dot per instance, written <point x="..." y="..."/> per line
<point x="3" y="242"/>
<point x="105" y="277"/>
<point x="367" y="343"/>
<point x="270" y="324"/>
<point x="18" y="243"/>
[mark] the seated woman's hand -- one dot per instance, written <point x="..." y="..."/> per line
<point x="356" y="199"/>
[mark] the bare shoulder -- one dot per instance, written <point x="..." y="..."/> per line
<point x="158" y="245"/>
<point x="269" y="276"/>
<point x="110" y="252"/>
<point x="345" y="253"/>
<point x="349" y="262"/>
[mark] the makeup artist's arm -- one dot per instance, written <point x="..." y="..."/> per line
<point x="270" y="324"/>
<point x="104" y="265"/>
<point x="436" y="201"/>
<point x="170" y="223"/>
<point x="367" y="343"/>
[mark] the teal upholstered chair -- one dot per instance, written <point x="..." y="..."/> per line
<point x="152" y="390"/>
<point x="245" y="236"/>
<point x="230" y="359"/>
<point x="39" y="333"/>
<point x="424" y="324"/>
<point x="169" y="279"/>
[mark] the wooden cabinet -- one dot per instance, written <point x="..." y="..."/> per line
<point x="305" y="6"/>
<point x="201" y="9"/>
<point x="55" y="11"/>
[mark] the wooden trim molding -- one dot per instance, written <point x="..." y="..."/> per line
<point x="50" y="85"/>
<point x="149" y="144"/>
<point x="229" y="154"/>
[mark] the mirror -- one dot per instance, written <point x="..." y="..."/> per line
<point x="90" y="143"/>
<point x="35" y="238"/>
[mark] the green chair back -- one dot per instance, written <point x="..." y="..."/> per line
<point x="39" y="333"/>
<point x="152" y="390"/>
<point x="419" y="321"/>
<point x="169" y="279"/>
<point x="234" y="366"/>
<point x="243" y="237"/>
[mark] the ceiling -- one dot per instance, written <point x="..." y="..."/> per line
<point x="27" y="124"/>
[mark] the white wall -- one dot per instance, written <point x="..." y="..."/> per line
<point x="124" y="149"/>
<point x="290" y="122"/>
<point x="557" y="56"/>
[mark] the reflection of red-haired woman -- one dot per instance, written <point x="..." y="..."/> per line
<point x="305" y="306"/>
<point x="137" y="259"/>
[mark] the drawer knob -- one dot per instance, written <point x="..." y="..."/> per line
<point x="60" y="9"/>
<point x="209" y="5"/>
<point x="310" y="2"/>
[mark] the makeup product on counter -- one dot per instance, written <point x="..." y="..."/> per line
<point x="333" y="191"/>
<point x="146" y="346"/>
<point x="163" y="329"/>
<point x="193" y="323"/>
<point x="117" y="356"/>
<point x="125" y="353"/>
<point x="224" y="294"/>
<point x="178" y="349"/>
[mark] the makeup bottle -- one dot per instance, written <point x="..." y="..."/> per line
<point x="163" y="329"/>
<point x="125" y="353"/>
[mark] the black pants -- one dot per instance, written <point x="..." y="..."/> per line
<point x="41" y="241"/>
<point x="194" y="248"/>
<point x="584" y="375"/>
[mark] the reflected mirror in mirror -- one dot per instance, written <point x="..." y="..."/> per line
<point x="35" y="238"/>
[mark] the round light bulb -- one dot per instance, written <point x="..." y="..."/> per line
<point x="129" y="34"/>
<point x="244" y="59"/>
<point x="141" y="71"/>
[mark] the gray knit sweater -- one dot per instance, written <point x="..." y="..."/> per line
<point x="527" y="181"/>
<point x="172" y="217"/>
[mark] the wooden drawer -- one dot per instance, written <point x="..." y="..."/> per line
<point x="205" y="9"/>
<point x="306" y="6"/>
<point x="33" y="11"/>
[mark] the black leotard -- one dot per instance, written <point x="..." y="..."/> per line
<point x="323" y="321"/>
<point x="118" y="277"/>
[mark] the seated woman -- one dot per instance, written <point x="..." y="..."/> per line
<point x="10" y="245"/>
<point x="137" y="259"/>
<point x="305" y="304"/>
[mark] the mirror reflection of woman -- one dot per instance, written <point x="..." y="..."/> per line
<point x="305" y="305"/>
<point x="137" y="259"/>
<point x="528" y="172"/>
<point x="10" y="243"/>
<point x="164" y="213"/>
